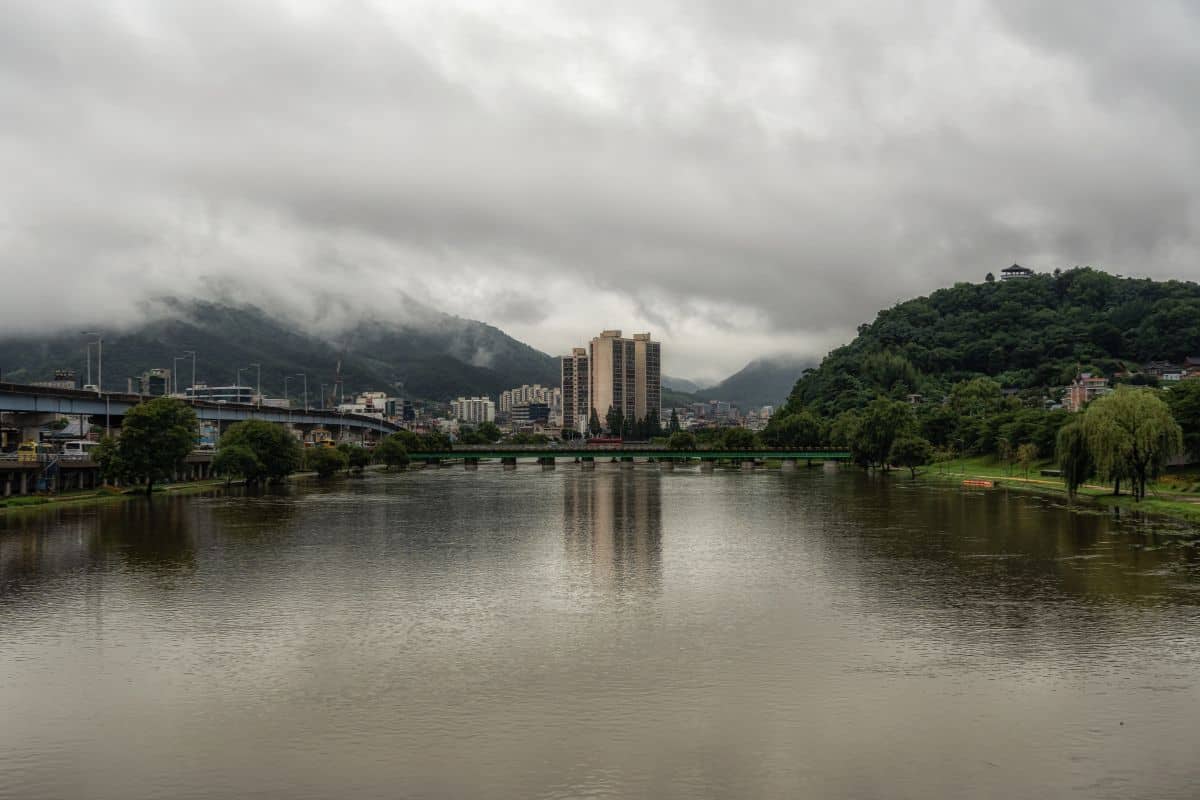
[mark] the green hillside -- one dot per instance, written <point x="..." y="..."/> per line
<point x="1029" y="334"/>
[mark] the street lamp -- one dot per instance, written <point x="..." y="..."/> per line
<point x="99" y="359"/>
<point x="258" y="383"/>
<point x="305" y="377"/>
<point x="175" y="374"/>
<point x="192" y="353"/>
<point x="323" y="385"/>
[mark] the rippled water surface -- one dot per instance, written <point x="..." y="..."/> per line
<point x="530" y="634"/>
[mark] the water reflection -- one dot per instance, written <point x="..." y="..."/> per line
<point x="612" y="523"/>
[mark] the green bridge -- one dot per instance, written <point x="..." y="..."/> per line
<point x="473" y="454"/>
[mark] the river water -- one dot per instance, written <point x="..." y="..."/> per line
<point x="530" y="634"/>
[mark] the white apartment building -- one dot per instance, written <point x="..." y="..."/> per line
<point x="473" y="410"/>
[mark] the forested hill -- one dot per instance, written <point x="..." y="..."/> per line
<point x="1025" y="334"/>
<point x="423" y="354"/>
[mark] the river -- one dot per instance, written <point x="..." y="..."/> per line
<point x="617" y="633"/>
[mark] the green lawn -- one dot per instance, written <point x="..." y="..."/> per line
<point x="1171" y="495"/>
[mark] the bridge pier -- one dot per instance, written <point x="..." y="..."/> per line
<point x="547" y="463"/>
<point x="508" y="463"/>
<point x="587" y="463"/>
<point x="470" y="464"/>
<point x="788" y="464"/>
<point x="666" y="464"/>
<point x="627" y="463"/>
<point x="706" y="465"/>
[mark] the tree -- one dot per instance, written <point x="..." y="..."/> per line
<point x="1004" y="450"/>
<point x="236" y="461"/>
<point x="409" y="441"/>
<point x="391" y="452"/>
<point x="911" y="452"/>
<point x="1073" y="457"/>
<point x="1131" y="434"/>
<point x="357" y="457"/>
<point x="989" y="278"/>
<point x="1027" y="454"/>
<point x="1184" y="400"/>
<point x="155" y="438"/>
<point x="489" y="432"/>
<point x="326" y="461"/>
<point x="276" y="453"/>
<point x="594" y="423"/>
<point x="673" y="425"/>
<point x="882" y="422"/>
<point x="738" y="439"/>
<point x="681" y="440"/>
<point x="800" y="429"/>
<point x="614" y="421"/>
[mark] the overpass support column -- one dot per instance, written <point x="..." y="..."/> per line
<point x="24" y="482"/>
<point x="7" y="484"/>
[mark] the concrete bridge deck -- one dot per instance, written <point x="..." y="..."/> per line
<point x="476" y="453"/>
<point x="19" y="398"/>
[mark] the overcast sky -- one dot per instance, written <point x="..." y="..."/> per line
<point x="738" y="177"/>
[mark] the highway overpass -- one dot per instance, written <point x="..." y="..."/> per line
<point x="107" y="409"/>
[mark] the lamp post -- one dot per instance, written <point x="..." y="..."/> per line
<point x="99" y="359"/>
<point x="323" y="385"/>
<point x="175" y="374"/>
<point x="305" y="377"/>
<point x="192" y="353"/>
<point x="258" y="384"/>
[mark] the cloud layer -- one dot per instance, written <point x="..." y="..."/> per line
<point x="740" y="178"/>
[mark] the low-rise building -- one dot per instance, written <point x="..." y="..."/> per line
<point x="1085" y="388"/>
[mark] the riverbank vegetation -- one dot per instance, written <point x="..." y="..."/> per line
<point x="156" y="436"/>
<point x="980" y="370"/>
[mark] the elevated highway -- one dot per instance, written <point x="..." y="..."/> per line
<point x="18" y="398"/>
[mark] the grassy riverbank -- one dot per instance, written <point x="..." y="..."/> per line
<point x="102" y="495"/>
<point x="1176" y="494"/>
<point x="110" y="494"/>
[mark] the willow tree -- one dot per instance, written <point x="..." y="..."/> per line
<point x="1073" y="457"/>
<point x="1131" y="434"/>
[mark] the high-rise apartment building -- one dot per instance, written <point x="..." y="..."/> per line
<point x="474" y="409"/>
<point x="647" y="377"/>
<point x="626" y="375"/>
<point x="576" y="402"/>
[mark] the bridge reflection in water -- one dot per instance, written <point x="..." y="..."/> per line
<point x="612" y="527"/>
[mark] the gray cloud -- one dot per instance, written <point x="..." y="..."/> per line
<point x="738" y="177"/>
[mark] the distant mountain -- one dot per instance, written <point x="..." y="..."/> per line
<point x="426" y="355"/>
<point x="679" y="385"/>
<point x="762" y="382"/>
